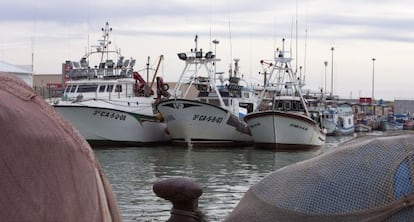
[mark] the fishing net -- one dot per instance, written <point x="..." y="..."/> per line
<point x="48" y="171"/>
<point x="369" y="179"/>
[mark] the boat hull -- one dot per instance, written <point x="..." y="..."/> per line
<point x="345" y="126"/>
<point x="284" y="131"/>
<point x="359" y="127"/>
<point x="390" y="126"/>
<point x="105" y="126"/>
<point x="191" y="122"/>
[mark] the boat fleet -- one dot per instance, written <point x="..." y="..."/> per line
<point x="109" y="102"/>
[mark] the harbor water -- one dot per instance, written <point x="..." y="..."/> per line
<point x="225" y="174"/>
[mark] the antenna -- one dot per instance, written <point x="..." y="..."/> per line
<point x="306" y="48"/>
<point x="296" y="36"/>
<point x="274" y="35"/>
<point x="196" y="42"/>
<point x="291" y="35"/>
<point x="231" y="49"/>
<point x="33" y="46"/>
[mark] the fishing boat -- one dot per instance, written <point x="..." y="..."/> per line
<point x="282" y="120"/>
<point x="338" y="119"/>
<point x="110" y="103"/>
<point x="362" y="125"/>
<point x="392" y="122"/>
<point x="214" y="116"/>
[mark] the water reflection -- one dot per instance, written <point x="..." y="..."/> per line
<point x="225" y="175"/>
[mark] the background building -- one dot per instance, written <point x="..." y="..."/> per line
<point x="404" y="106"/>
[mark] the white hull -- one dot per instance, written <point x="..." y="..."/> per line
<point x="284" y="131"/>
<point x="359" y="127"/>
<point x="105" y="125"/>
<point x="333" y="129"/>
<point x="329" y="125"/>
<point x="391" y="126"/>
<point x="197" y="123"/>
<point x="340" y="126"/>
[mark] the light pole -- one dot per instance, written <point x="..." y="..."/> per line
<point x="215" y="42"/>
<point x="373" y="72"/>
<point x="332" y="49"/>
<point x="324" y="89"/>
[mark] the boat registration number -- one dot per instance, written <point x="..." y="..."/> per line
<point x="213" y="119"/>
<point x="111" y="115"/>
<point x="299" y="127"/>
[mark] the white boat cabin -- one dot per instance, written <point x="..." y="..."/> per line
<point x="109" y="89"/>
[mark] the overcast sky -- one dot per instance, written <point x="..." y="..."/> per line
<point x="56" y="31"/>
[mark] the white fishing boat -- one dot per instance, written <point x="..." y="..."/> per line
<point x="283" y="121"/>
<point x="214" y="116"/>
<point x="111" y="103"/>
<point x="338" y="119"/>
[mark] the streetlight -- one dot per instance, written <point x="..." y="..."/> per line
<point x="215" y="42"/>
<point x="324" y="89"/>
<point x="332" y="49"/>
<point x="373" y="72"/>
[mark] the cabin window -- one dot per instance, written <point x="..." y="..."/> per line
<point x="87" y="88"/>
<point x="294" y="106"/>
<point x="73" y="89"/>
<point x="76" y="65"/>
<point x="68" y="88"/>
<point x="109" y="88"/>
<point x="102" y="88"/>
<point x="118" y="88"/>
<point x="287" y="106"/>
<point x="215" y="102"/>
<point x="279" y="106"/>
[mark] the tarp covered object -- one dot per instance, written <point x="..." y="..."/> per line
<point x="48" y="171"/>
<point x="368" y="179"/>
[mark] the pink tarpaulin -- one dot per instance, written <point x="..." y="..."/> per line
<point x="48" y="171"/>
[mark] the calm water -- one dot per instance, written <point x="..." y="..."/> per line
<point x="224" y="174"/>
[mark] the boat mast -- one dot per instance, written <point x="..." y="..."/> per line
<point x="105" y="42"/>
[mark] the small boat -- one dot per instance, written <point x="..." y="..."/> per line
<point x="214" y="117"/>
<point x="392" y="122"/>
<point x="338" y="120"/>
<point x="110" y="103"/>
<point x="282" y="120"/>
<point x="362" y="125"/>
<point x="408" y="123"/>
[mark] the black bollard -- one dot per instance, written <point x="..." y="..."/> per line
<point x="183" y="194"/>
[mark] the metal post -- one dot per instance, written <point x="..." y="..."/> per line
<point x="332" y="49"/>
<point x="373" y="74"/>
<point x="324" y="89"/>
<point x="215" y="42"/>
